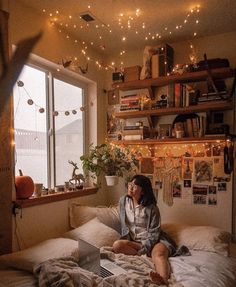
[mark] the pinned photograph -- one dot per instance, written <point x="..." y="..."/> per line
<point x="203" y="170"/>
<point x="187" y="168"/>
<point x="212" y="189"/>
<point x="177" y="190"/>
<point x="222" y="186"/>
<point x="200" y="193"/>
<point x="218" y="150"/>
<point x="212" y="199"/>
<point x="187" y="183"/>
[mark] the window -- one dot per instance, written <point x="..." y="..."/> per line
<point x="49" y="125"/>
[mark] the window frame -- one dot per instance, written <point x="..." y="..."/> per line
<point x="51" y="72"/>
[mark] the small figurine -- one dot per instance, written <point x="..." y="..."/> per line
<point x="76" y="178"/>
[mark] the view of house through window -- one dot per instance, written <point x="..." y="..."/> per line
<point x="68" y="129"/>
<point x="41" y="154"/>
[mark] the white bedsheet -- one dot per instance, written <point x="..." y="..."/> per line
<point x="204" y="269"/>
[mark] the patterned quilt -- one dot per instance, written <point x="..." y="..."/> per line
<point x="67" y="273"/>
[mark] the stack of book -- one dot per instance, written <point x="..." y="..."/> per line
<point x="213" y="96"/>
<point x="135" y="132"/>
<point x="129" y="103"/>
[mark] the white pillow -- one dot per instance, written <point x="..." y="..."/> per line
<point x="80" y="214"/>
<point x="205" y="238"/>
<point x="94" y="232"/>
<point x="48" y="249"/>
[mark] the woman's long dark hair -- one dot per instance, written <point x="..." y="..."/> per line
<point x="144" y="182"/>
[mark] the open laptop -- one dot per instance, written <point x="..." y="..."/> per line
<point x="89" y="259"/>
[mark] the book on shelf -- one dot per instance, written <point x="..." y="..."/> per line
<point x="133" y="132"/>
<point x="132" y="137"/>
<point x="177" y="90"/>
<point x="195" y="127"/>
<point x="135" y="127"/>
<point x="127" y="100"/>
<point x="133" y="96"/>
<point x="214" y="135"/>
<point x="171" y="95"/>
<point x="129" y="109"/>
<point x="189" y="126"/>
<point x="207" y="97"/>
<point x="143" y="131"/>
<point x="130" y="103"/>
<point x="155" y="66"/>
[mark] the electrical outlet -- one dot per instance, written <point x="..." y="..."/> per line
<point x="16" y="209"/>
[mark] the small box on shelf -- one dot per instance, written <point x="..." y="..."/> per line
<point x="135" y="132"/>
<point x="162" y="62"/>
<point x="132" y="73"/>
<point x="117" y="77"/>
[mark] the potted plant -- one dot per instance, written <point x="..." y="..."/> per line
<point x="109" y="160"/>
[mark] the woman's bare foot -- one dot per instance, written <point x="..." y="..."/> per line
<point x="156" y="278"/>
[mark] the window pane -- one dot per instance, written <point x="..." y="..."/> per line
<point x="30" y="125"/>
<point x="69" y="135"/>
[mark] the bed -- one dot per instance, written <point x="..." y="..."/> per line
<point x="54" y="262"/>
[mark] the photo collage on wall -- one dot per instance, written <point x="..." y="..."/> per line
<point x="197" y="177"/>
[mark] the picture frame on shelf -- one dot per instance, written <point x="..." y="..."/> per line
<point x="164" y="131"/>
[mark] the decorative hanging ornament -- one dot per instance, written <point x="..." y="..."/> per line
<point x="55" y="113"/>
<point x="74" y="112"/>
<point x="67" y="113"/>
<point x="30" y="102"/>
<point x="20" y="84"/>
<point x="41" y="110"/>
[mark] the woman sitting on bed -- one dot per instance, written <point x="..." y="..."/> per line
<point x="141" y="228"/>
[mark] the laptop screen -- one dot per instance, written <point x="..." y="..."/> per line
<point x="89" y="257"/>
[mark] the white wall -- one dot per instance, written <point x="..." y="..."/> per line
<point x="37" y="223"/>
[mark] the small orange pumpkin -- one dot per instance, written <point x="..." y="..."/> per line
<point x="24" y="186"/>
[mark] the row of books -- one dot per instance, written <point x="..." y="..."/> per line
<point x="181" y="95"/>
<point x="195" y="127"/>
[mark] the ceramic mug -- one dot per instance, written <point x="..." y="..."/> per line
<point x="38" y="189"/>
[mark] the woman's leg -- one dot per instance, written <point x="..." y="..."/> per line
<point x="126" y="247"/>
<point x="160" y="254"/>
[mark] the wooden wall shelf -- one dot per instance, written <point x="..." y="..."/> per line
<point x="216" y="138"/>
<point x="217" y="105"/>
<point x="184" y="78"/>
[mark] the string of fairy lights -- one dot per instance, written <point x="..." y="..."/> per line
<point x="171" y="150"/>
<point x="127" y="23"/>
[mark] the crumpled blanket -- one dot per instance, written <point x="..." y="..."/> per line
<point x="64" y="272"/>
<point x="67" y="273"/>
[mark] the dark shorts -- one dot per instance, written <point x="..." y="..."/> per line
<point x="169" y="243"/>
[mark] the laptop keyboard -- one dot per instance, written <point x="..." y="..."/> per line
<point x="105" y="273"/>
